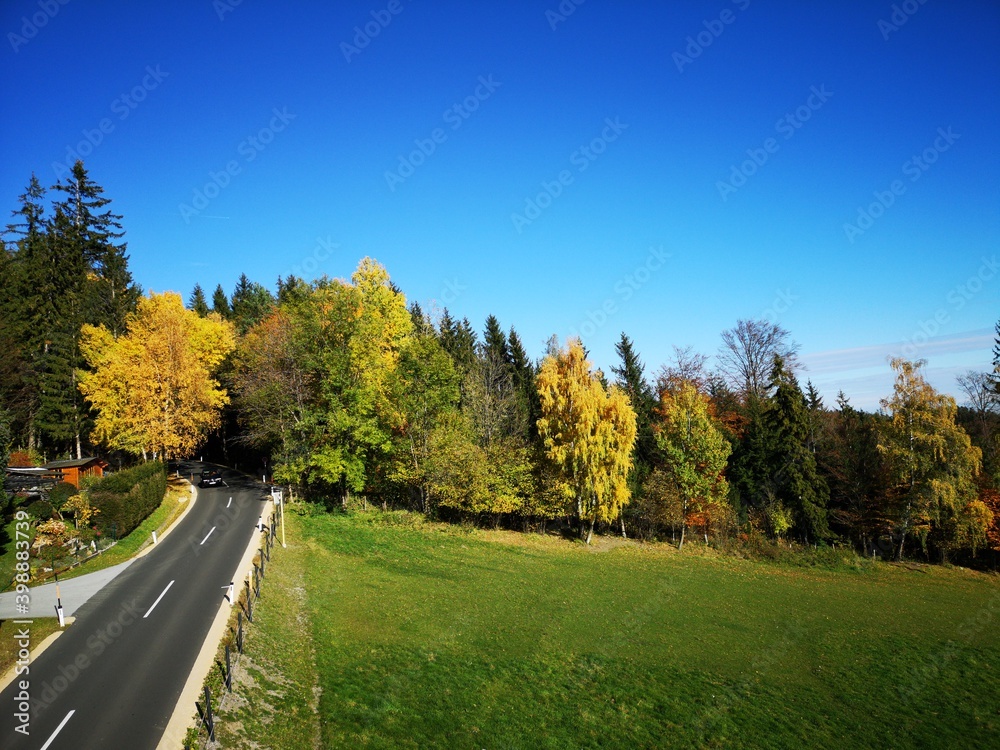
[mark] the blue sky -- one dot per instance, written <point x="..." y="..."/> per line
<point x="659" y="169"/>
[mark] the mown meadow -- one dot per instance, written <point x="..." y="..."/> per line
<point x="385" y="630"/>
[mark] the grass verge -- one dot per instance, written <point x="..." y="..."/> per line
<point x="275" y="684"/>
<point x="39" y="629"/>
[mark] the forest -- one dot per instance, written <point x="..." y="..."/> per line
<point x="350" y="396"/>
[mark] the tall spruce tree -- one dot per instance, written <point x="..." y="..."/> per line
<point x="525" y="375"/>
<point x="110" y="294"/>
<point x="57" y="314"/>
<point x="197" y="303"/>
<point x="494" y="345"/>
<point x="220" y="303"/>
<point x="796" y="478"/>
<point x="750" y="462"/>
<point x="857" y="476"/>
<point x="459" y="340"/>
<point x="631" y="378"/>
<point x="20" y="341"/>
<point x="251" y="303"/>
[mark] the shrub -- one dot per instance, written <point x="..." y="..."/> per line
<point x="59" y="494"/>
<point x="40" y="509"/>
<point x="127" y="497"/>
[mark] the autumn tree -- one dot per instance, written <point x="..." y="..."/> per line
<point x="588" y="432"/>
<point x="427" y="388"/>
<point x="932" y="460"/>
<point x="686" y="366"/>
<point x="695" y="451"/>
<point x="337" y="417"/>
<point x="154" y="387"/>
<point x="747" y="354"/>
<point x="273" y="389"/>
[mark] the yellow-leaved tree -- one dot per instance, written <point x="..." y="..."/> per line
<point x="934" y="465"/>
<point x="154" y="387"/>
<point x="588" y="433"/>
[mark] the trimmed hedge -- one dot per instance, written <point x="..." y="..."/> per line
<point x="127" y="497"/>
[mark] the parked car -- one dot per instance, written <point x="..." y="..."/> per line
<point x="211" y="478"/>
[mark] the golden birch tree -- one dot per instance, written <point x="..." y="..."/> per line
<point x="588" y="434"/>
<point x="154" y="388"/>
<point x="933" y="461"/>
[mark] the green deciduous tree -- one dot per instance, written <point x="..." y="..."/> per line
<point x="695" y="451"/>
<point x="427" y="389"/>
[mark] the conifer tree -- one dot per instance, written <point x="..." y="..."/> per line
<point x="631" y="378"/>
<point x="524" y="374"/>
<point x="220" y="303"/>
<point x="795" y="477"/>
<point x="197" y="303"/>
<point x="495" y="343"/>
<point x="56" y="314"/>
<point x="23" y="267"/>
<point x="111" y="294"/>
<point x="250" y="304"/>
<point x="459" y="340"/>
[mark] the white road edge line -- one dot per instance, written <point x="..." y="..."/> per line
<point x="58" y="730"/>
<point x="157" y="600"/>
<point x="207" y="536"/>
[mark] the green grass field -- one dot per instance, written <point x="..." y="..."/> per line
<point x="424" y="635"/>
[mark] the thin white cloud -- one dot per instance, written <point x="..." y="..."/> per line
<point x="846" y="360"/>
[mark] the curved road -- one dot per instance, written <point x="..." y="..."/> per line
<point x="113" y="678"/>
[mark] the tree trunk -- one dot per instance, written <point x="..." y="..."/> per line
<point x="683" y="529"/>
<point x="622" y="519"/>
<point x="590" y="532"/>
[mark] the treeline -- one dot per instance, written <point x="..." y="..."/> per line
<point x="354" y="397"/>
<point x="357" y="397"/>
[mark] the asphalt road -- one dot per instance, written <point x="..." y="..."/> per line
<point x="112" y="679"/>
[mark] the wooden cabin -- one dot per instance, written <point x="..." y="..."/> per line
<point x="76" y="469"/>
